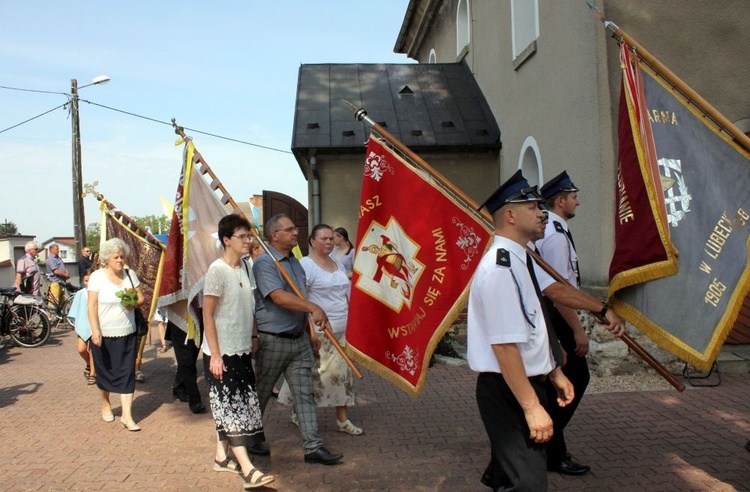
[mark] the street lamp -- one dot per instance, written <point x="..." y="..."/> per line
<point x="79" y="218"/>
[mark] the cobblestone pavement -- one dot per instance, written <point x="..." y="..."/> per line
<point x="53" y="437"/>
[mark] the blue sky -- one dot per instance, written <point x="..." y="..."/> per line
<point x="228" y="68"/>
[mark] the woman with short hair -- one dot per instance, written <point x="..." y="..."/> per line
<point x="229" y="339"/>
<point x="113" y="332"/>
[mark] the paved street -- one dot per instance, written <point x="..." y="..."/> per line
<point x="54" y="439"/>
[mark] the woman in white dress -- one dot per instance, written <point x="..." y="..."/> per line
<point x="229" y="340"/>
<point x="328" y="287"/>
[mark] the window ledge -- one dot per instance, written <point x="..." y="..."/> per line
<point x="524" y="55"/>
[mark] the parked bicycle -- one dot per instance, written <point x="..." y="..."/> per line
<point x="58" y="312"/>
<point x="23" y="319"/>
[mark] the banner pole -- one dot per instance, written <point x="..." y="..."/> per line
<point x="719" y="119"/>
<point x="361" y="115"/>
<point x="227" y="198"/>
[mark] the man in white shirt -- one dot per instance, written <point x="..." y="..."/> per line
<point x="510" y="344"/>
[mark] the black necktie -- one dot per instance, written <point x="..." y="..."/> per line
<point x="554" y="342"/>
<point x="573" y="244"/>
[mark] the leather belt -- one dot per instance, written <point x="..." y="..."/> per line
<point x="287" y="334"/>
<point x="538" y="379"/>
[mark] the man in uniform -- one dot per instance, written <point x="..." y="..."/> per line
<point x="558" y="250"/>
<point x="511" y="346"/>
<point x="284" y="343"/>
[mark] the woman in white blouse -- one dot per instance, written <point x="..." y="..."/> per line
<point x="328" y="287"/>
<point x="113" y="333"/>
<point x="229" y="340"/>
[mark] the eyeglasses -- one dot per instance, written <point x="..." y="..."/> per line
<point x="288" y="229"/>
<point x="242" y="237"/>
<point x="545" y="216"/>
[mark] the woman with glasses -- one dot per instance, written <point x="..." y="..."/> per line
<point x="229" y="340"/>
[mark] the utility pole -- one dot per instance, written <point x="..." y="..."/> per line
<point x="79" y="219"/>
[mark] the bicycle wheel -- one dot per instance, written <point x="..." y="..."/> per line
<point x="65" y="310"/>
<point x="29" y="326"/>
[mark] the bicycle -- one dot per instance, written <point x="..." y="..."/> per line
<point x="58" y="313"/>
<point x="23" y="319"/>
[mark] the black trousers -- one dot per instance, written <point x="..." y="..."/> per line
<point x="186" y="355"/>
<point x="517" y="462"/>
<point x="576" y="369"/>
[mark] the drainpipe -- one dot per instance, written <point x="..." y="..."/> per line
<point x="315" y="191"/>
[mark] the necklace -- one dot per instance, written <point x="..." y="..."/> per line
<point x="237" y="272"/>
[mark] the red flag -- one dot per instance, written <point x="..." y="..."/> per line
<point x="192" y="244"/>
<point x="639" y="211"/>
<point x="417" y="250"/>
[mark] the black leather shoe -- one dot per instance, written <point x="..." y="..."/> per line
<point x="323" y="456"/>
<point x="259" y="449"/>
<point x="197" y="407"/>
<point x="179" y="393"/>
<point x="570" y="467"/>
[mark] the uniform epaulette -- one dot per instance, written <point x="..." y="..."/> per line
<point x="558" y="226"/>
<point x="503" y="257"/>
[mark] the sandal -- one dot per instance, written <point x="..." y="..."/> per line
<point x="228" y="465"/>
<point x="91" y="380"/>
<point x="349" y="428"/>
<point x="140" y="377"/>
<point x="263" y="479"/>
<point x="86" y="372"/>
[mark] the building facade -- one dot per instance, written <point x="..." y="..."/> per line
<point x="551" y="75"/>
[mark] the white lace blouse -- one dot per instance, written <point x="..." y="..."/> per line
<point x="234" y="310"/>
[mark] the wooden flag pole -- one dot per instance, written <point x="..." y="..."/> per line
<point x="693" y="97"/>
<point x="227" y="198"/>
<point x="361" y="115"/>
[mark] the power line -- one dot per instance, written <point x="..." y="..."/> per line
<point x="33" y="118"/>
<point x="31" y="90"/>
<point x="186" y="128"/>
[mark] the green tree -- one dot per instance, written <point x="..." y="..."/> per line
<point x="93" y="236"/>
<point x="8" y="228"/>
<point x="159" y="224"/>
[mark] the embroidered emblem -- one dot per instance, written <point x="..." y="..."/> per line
<point x="407" y="360"/>
<point x="676" y="194"/>
<point x="468" y="241"/>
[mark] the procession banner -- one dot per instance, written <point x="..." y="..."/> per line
<point x="416" y="253"/>
<point x="680" y="270"/>
<point x="192" y="244"/>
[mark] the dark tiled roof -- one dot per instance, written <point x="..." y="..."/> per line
<point x="426" y="106"/>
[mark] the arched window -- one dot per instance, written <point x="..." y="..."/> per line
<point x="530" y="162"/>
<point x="433" y="56"/>
<point x="463" y="27"/>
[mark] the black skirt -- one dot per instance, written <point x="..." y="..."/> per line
<point x="234" y="401"/>
<point x="114" y="363"/>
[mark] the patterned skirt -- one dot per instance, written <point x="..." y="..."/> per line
<point x="234" y="401"/>
<point x="333" y="383"/>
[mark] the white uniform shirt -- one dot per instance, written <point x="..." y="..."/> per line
<point x="495" y="315"/>
<point x="555" y="248"/>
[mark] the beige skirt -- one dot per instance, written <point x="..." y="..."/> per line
<point x="333" y="383"/>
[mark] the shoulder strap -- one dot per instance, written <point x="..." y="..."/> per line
<point x="127" y="272"/>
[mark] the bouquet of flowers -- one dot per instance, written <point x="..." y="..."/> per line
<point x="128" y="297"/>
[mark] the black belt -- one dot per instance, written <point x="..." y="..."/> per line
<point x="538" y="379"/>
<point x="284" y="335"/>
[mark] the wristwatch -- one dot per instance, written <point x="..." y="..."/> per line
<point x="603" y="312"/>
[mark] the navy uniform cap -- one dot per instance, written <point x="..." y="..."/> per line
<point x="558" y="184"/>
<point x="515" y="190"/>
